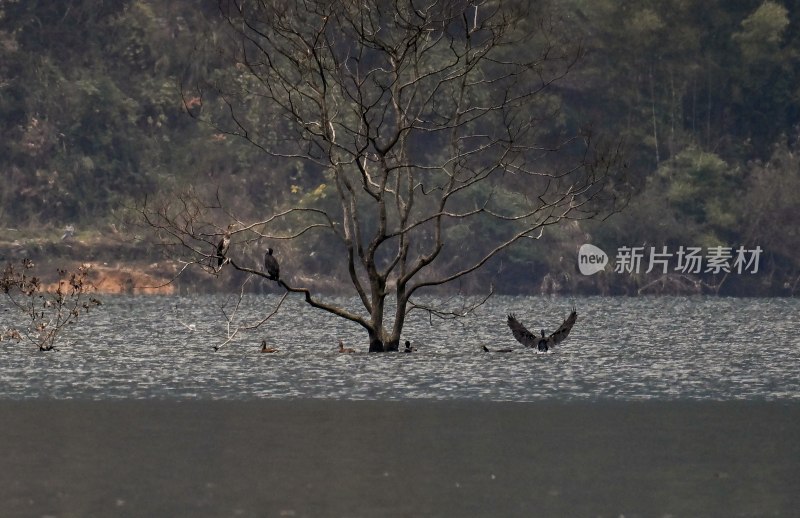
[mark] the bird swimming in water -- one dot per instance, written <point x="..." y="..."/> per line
<point x="223" y="246"/>
<point x="271" y="266"/>
<point x="542" y="343"/>
<point x="409" y="348"/>
<point x="265" y="349"/>
<point x="506" y="350"/>
<point x="343" y="349"/>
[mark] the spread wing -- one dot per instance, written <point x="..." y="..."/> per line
<point x="562" y="332"/>
<point x="522" y="335"/>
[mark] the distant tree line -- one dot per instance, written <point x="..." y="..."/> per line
<point x="96" y="98"/>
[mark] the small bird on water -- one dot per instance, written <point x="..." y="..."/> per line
<point x="265" y="349"/>
<point x="271" y="266"/>
<point x="506" y="350"/>
<point x="542" y="343"/>
<point x="409" y="348"/>
<point x="343" y="349"/>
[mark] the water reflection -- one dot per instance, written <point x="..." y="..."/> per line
<point x="621" y="348"/>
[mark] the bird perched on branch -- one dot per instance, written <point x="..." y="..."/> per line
<point x="542" y="343"/>
<point x="271" y="266"/>
<point x="224" y="245"/>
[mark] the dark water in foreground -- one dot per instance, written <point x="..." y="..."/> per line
<point x="309" y="458"/>
<point x="620" y="349"/>
<point x="664" y="407"/>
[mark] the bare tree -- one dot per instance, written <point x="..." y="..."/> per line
<point x="46" y="311"/>
<point x="433" y="123"/>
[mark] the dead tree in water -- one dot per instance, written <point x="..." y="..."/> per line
<point x="435" y="127"/>
<point x="46" y="311"/>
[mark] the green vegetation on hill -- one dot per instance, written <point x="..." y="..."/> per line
<point x="706" y="96"/>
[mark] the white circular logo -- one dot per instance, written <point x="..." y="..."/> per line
<point x="591" y="259"/>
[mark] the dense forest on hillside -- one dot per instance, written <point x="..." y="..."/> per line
<point x="99" y="108"/>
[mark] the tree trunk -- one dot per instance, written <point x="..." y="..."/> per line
<point x="375" y="343"/>
<point x="392" y="344"/>
<point x="379" y="342"/>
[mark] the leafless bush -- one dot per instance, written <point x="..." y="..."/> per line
<point x="45" y="311"/>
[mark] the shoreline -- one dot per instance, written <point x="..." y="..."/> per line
<point x="399" y="458"/>
<point x="123" y="265"/>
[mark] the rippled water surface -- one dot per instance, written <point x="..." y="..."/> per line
<point x="621" y="348"/>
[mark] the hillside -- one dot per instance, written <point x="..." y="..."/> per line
<point x="106" y="104"/>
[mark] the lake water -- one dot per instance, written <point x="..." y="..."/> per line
<point x="652" y="407"/>
<point x="668" y="348"/>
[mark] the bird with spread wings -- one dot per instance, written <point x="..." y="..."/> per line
<point x="542" y="343"/>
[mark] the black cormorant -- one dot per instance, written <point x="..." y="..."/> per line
<point x="542" y="343"/>
<point x="271" y="265"/>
